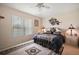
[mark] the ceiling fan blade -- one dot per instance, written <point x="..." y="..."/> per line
<point x="42" y="5"/>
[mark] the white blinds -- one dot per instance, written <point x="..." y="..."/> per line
<point x="21" y="26"/>
<point x="28" y="27"/>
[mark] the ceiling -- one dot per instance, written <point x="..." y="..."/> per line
<point x="55" y="8"/>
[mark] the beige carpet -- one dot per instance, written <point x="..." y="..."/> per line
<point x="25" y="50"/>
<point x="70" y="50"/>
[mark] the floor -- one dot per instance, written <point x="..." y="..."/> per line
<point x="68" y="50"/>
<point x="26" y="49"/>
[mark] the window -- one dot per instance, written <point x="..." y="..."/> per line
<point x="21" y="27"/>
<point x="28" y="27"/>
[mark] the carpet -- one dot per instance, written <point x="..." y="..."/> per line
<point x="33" y="51"/>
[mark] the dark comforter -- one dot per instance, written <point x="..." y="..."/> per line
<point x="44" y="39"/>
<point x="49" y="40"/>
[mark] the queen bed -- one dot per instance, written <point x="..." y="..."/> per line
<point x="44" y="39"/>
<point x="51" y="41"/>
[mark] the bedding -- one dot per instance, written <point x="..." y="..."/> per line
<point x="47" y="40"/>
<point x="44" y="39"/>
<point x="48" y="37"/>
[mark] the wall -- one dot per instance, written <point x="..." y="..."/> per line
<point x="66" y="18"/>
<point x="6" y="39"/>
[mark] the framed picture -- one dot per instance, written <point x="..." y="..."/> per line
<point x="36" y="23"/>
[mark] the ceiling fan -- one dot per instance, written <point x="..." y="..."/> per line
<point x="42" y="5"/>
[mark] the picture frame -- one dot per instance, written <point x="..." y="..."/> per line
<point x="36" y="23"/>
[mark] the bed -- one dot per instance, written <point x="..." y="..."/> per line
<point x="47" y="39"/>
<point x="44" y="39"/>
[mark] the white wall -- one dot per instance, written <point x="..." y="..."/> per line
<point x="67" y="18"/>
<point x="6" y="39"/>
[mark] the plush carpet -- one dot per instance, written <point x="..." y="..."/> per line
<point x="25" y="50"/>
<point x="31" y="49"/>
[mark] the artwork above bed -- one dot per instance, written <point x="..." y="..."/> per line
<point x="54" y="21"/>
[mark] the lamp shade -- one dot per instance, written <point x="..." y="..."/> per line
<point x="43" y="27"/>
<point x="71" y="27"/>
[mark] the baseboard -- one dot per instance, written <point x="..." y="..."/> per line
<point x="16" y="45"/>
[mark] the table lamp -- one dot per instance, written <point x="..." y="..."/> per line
<point x="71" y="28"/>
